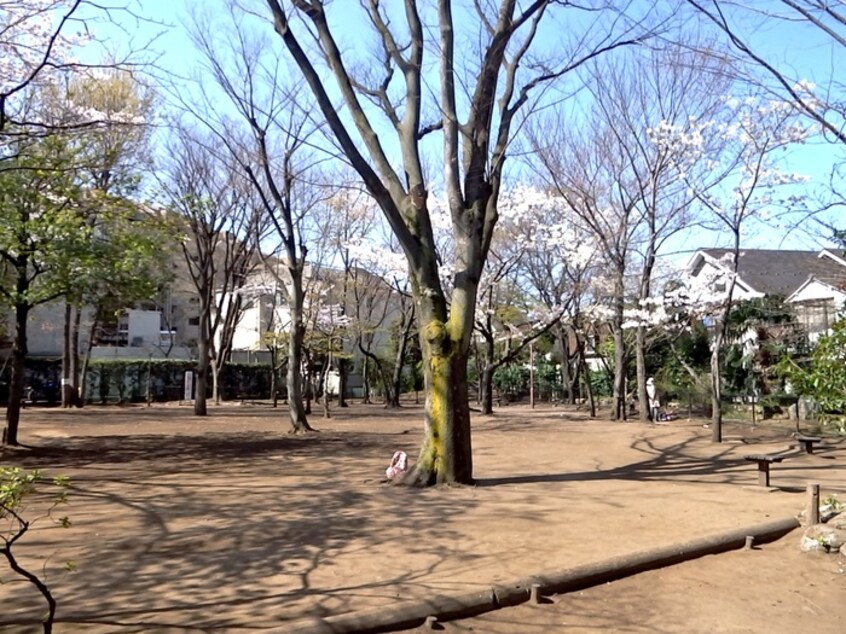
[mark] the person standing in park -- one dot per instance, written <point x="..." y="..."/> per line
<point x="654" y="403"/>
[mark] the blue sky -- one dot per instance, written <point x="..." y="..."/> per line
<point x="790" y="46"/>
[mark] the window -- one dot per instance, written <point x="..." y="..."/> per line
<point x="193" y="321"/>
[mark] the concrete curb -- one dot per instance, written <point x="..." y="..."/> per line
<point x="411" y="614"/>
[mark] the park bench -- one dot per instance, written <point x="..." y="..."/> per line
<point x="807" y="442"/>
<point x="764" y="461"/>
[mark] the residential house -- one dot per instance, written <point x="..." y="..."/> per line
<point x="812" y="282"/>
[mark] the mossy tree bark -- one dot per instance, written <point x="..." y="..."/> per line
<point x="446" y="455"/>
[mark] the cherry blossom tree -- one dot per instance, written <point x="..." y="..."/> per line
<point x="745" y="185"/>
<point x="219" y="220"/>
<point x="538" y="255"/>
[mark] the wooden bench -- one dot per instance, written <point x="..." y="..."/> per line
<point x="764" y="461"/>
<point x="808" y="442"/>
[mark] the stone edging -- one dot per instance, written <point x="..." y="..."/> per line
<point x="411" y="614"/>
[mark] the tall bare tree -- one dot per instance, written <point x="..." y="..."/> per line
<point x="219" y="219"/>
<point x="475" y="103"/>
<point x="265" y="129"/>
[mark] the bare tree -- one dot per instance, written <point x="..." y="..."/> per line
<point x="268" y="138"/>
<point x="491" y="84"/>
<point x="220" y="222"/>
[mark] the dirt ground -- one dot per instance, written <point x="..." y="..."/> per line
<point x="230" y="524"/>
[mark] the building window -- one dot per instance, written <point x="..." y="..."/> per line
<point x="193" y="321"/>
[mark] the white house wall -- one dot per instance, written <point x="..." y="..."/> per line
<point x="817" y="291"/>
<point x="144" y="327"/>
<point x="256" y="316"/>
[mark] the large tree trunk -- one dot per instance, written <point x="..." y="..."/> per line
<point x="215" y="377"/>
<point x="566" y="378"/>
<point x="202" y="379"/>
<point x="446" y="455"/>
<point x="324" y="396"/>
<point x="16" y="384"/>
<point x="274" y="373"/>
<point x="644" y="406"/>
<point x="392" y="396"/>
<point x="343" y="374"/>
<point x="365" y="381"/>
<point x="365" y="368"/>
<point x="76" y="396"/>
<point x="83" y="369"/>
<point x="296" y="407"/>
<point x="588" y="387"/>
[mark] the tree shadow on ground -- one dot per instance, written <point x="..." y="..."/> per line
<point x="228" y="530"/>
<point x="219" y="530"/>
<point x="676" y="462"/>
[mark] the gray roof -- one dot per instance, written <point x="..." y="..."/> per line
<point x="779" y="272"/>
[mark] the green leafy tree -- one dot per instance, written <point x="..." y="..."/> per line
<point x="15" y="487"/>
<point x="109" y="160"/>
<point x="42" y="235"/>
<point x="823" y="377"/>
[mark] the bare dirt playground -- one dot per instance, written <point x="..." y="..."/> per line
<point x="229" y="524"/>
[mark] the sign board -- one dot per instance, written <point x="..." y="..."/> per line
<point x="189" y="386"/>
